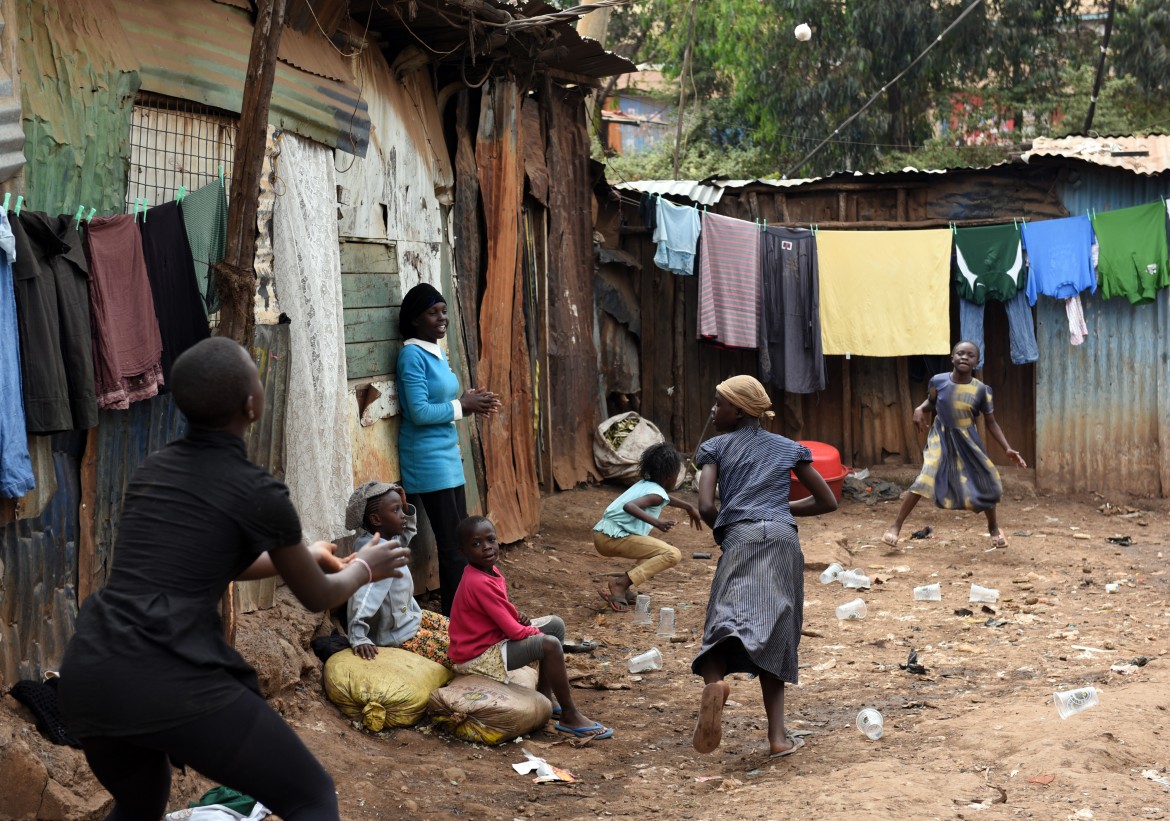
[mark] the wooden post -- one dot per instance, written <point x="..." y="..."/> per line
<point x="906" y="412"/>
<point x="677" y="405"/>
<point x="847" y="411"/>
<point x="235" y="276"/>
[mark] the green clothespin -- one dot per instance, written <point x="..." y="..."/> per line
<point x="77" y="216"/>
<point x="137" y="203"/>
<point x="765" y="224"/>
<point x="19" y="204"/>
<point x="89" y="216"/>
<point x="145" y="205"/>
<point x="7" y="199"/>
<point x="221" y="176"/>
<point x="182" y="193"/>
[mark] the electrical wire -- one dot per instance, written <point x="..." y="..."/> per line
<point x="883" y="89"/>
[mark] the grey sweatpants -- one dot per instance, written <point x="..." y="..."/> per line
<point x="523" y="652"/>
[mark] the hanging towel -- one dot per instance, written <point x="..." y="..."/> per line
<point x="1021" y="330"/>
<point x="1133" y="252"/>
<point x="885" y="293"/>
<point x="989" y="263"/>
<point x="127" y="347"/>
<point x="52" y="300"/>
<point x="648" y="210"/>
<point x="677" y="234"/>
<point x="1060" y="257"/>
<point x="1077" y="329"/>
<point x="178" y="305"/>
<point x="16" y="473"/>
<point x="729" y="282"/>
<point x="790" y="320"/>
<point x="205" y="218"/>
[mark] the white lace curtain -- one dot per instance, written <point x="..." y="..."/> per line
<point x="307" y="271"/>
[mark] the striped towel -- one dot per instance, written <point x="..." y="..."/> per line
<point x="729" y="282"/>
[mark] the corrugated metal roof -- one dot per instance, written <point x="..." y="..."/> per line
<point x="313" y="53"/>
<point x="702" y="192"/>
<point x="1141" y="155"/>
<point x="1100" y="426"/>
<point x="198" y="50"/>
<point x="11" y="130"/>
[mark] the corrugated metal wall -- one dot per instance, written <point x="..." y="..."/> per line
<point x="1101" y="408"/>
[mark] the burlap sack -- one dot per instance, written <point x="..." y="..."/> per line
<point x="485" y="711"/>
<point x="390" y="690"/>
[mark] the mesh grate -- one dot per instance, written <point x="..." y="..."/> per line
<point x="176" y="143"/>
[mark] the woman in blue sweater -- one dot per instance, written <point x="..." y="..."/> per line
<point x="428" y="444"/>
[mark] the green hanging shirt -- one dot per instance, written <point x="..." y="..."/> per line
<point x="205" y="218"/>
<point x="1133" y="251"/>
<point x="989" y="263"/>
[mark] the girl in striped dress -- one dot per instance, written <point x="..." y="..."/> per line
<point x="956" y="471"/>
<point x="755" y="612"/>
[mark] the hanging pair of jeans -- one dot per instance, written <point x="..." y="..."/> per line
<point x="1021" y="331"/>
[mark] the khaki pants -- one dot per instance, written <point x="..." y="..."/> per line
<point x="652" y="555"/>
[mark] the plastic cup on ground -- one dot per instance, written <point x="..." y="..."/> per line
<point x="666" y="621"/>
<point x="985" y="595"/>
<point x="852" y="611"/>
<point x="650" y="660"/>
<point x="1112" y="587"/>
<point x="855" y="579"/>
<point x="1070" y="702"/>
<point x="871" y="723"/>
<point x="832" y="573"/>
<point x="928" y="592"/>
<point x="642" y="609"/>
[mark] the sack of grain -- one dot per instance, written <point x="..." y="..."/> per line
<point x="389" y="690"/>
<point x="485" y="711"/>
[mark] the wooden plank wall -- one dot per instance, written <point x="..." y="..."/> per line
<point x="865" y="408"/>
<point x="372" y="292"/>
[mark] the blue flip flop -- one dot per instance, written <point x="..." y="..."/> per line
<point x="556" y="713"/>
<point x="594" y="731"/>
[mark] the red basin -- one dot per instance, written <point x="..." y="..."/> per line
<point x="827" y="462"/>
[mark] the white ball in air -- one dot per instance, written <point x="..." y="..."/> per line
<point x="803" y="32"/>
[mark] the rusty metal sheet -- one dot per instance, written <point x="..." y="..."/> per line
<point x="534" y="150"/>
<point x="1149" y="154"/>
<point x="11" y="132"/>
<point x="310" y="51"/>
<point x="198" y="50"/>
<point x="76" y="114"/>
<point x="467" y="225"/>
<point x="572" y="353"/>
<point x="513" y="500"/>
<point x="38" y="558"/>
<point x="1101" y="422"/>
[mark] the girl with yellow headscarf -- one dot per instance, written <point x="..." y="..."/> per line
<point x="755" y="612"/>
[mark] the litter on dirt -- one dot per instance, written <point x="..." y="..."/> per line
<point x="912" y="665"/>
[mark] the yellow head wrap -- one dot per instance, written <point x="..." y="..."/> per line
<point x="747" y="394"/>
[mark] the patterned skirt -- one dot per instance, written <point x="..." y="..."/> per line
<point x="431" y="639"/>
<point x="756" y="609"/>
<point x="957" y="473"/>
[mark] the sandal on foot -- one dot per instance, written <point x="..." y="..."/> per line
<point x="596" y="731"/>
<point x="999" y="542"/>
<point x="892" y="541"/>
<point x="616" y="603"/>
<point x="709" y="728"/>
<point x="796" y="741"/>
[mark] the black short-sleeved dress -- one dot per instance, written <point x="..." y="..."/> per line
<point x="755" y="612"/>
<point x="149" y="652"/>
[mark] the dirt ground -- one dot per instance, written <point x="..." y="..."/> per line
<point x="976" y="736"/>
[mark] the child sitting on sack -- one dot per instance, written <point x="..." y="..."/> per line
<point x="384" y="613"/>
<point x="489" y="636"/>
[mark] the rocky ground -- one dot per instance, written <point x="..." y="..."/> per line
<point x="975" y="736"/>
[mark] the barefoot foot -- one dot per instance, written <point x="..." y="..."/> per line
<point x="709" y="728"/>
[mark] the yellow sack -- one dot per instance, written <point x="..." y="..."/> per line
<point x="390" y="690"/>
<point x="485" y="711"/>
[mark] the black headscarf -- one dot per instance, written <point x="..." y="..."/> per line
<point x="417" y="300"/>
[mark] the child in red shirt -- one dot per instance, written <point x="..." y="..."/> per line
<point x="489" y="636"/>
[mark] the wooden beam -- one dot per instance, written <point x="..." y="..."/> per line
<point x="906" y="413"/>
<point x="235" y="276"/>
<point x="847" y="411"/>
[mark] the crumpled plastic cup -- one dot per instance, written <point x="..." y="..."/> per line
<point x="642" y="609"/>
<point x="1071" y="702"/>
<point x="871" y="723"/>
<point x="985" y="595"/>
<point x="832" y="573"/>
<point x="650" y="660"/>
<point x="928" y="592"/>
<point x="855" y="579"/>
<point x="852" y="611"/>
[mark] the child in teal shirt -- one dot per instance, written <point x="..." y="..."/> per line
<point x="625" y="527"/>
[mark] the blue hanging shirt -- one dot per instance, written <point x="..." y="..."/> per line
<point x="1060" y="258"/>
<point x="16" y="474"/>
<point x="677" y="235"/>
